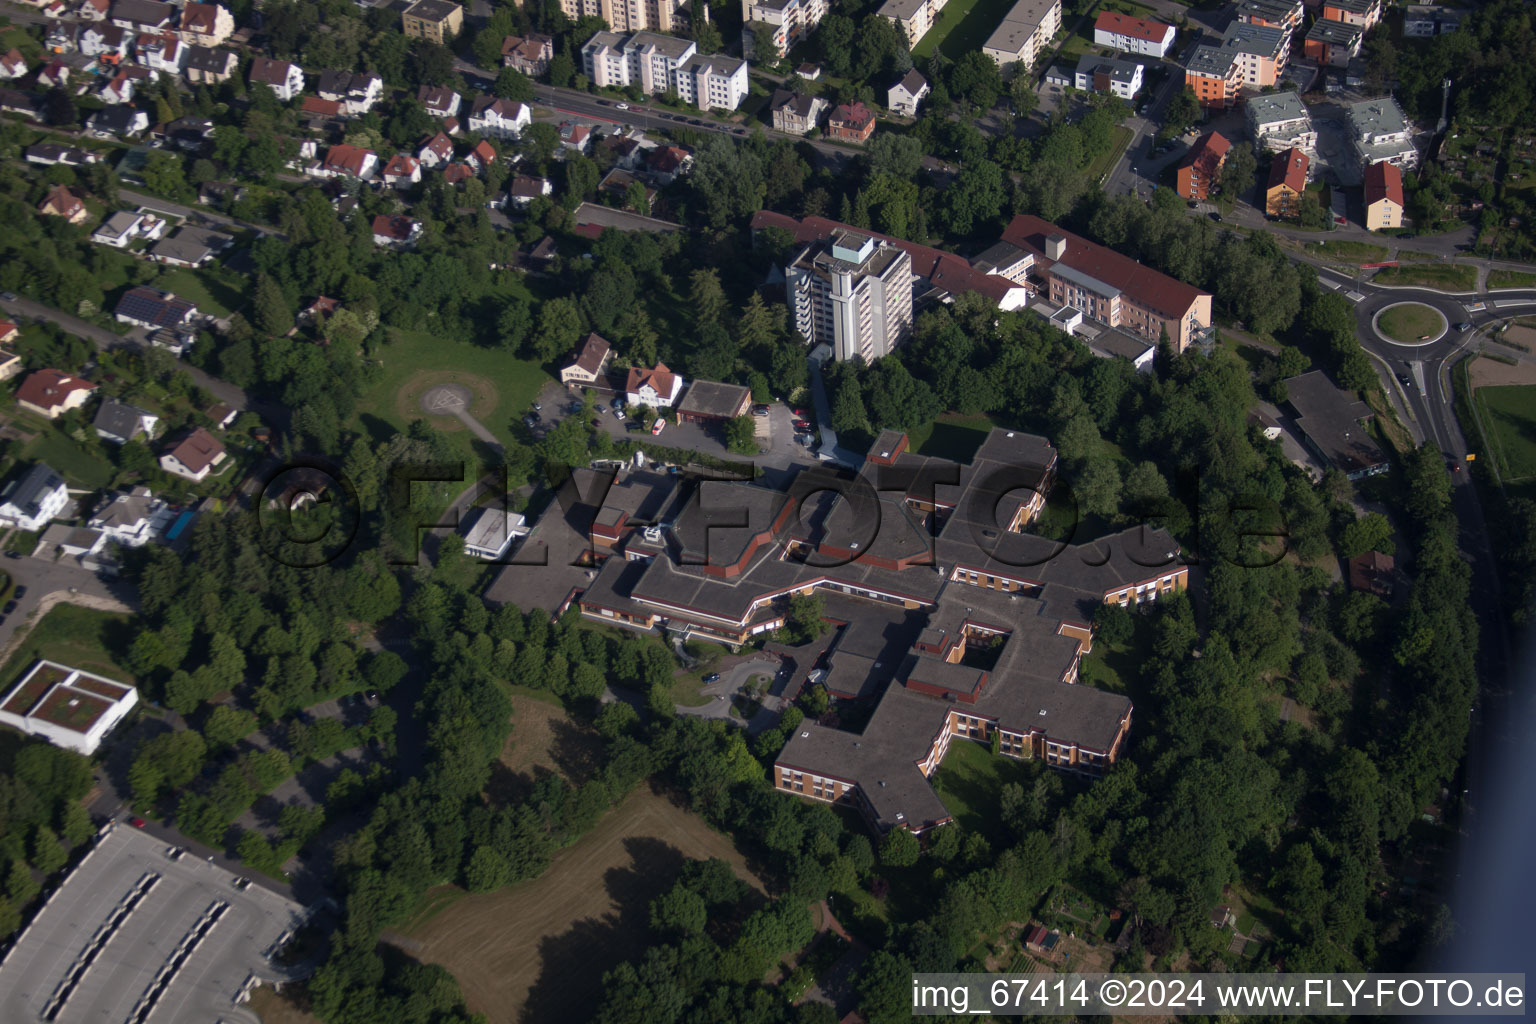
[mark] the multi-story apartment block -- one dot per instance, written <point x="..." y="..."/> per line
<point x="1287" y="182"/>
<point x="628" y="15"/>
<point x="1383" y="197"/>
<point x="1380" y="133"/>
<point x="657" y="64"/>
<point x="1424" y="22"/>
<point x="1200" y="169"/>
<point x="436" y="20"/>
<point x="1133" y="35"/>
<point x="1248" y="57"/>
<point x="205" y="25"/>
<point x="913" y="17"/>
<point x="1279" y="121"/>
<point x="792" y="21"/>
<point x="1023" y="32"/>
<point x="952" y="619"/>
<point x="852" y="293"/>
<point x="1333" y="43"/>
<point x="1363" y="13"/>
<point x="1212" y="74"/>
<point x="285" y="79"/>
<point x="1107" y="287"/>
<point x="1281" y="14"/>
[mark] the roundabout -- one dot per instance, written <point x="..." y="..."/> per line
<point x="1410" y="323"/>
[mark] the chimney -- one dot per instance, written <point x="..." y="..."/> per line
<point x="1055" y="246"/>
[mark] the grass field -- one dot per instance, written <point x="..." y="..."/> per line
<point x="1510" y="279"/>
<point x="963" y="26"/>
<point x="1410" y="321"/>
<point x="1106" y="161"/>
<point x="82" y="464"/>
<point x="209" y="293"/>
<point x="970" y="779"/>
<point x="512" y="383"/>
<point x="1449" y="277"/>
<point x="77" y="637"/>
<point x="544" y="741"/>
<point x="536" y="952"/>
<point x="1509" y="413"/>
<point x="951" y="436"/>
<point x="275" y="1008"/>
<point x="1348" y="252"/>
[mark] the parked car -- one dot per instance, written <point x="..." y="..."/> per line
<point x="618" y="413"/>
<point x="658" y="425"/>
<point x="138" y="822"/>
<point x="20" y="592"/>
<point x="759" y="410"/>
<point x="713" y="677"/>
<point x="573" y="408"/>
<point x="802" y="425"/>
<point x="10" y="606"/>
<point x="621" y="106"/>
<point x="537" y="407"/>
<point x="617" y="403"/>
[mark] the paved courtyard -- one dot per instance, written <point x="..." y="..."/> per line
<point x="134" y="935"/>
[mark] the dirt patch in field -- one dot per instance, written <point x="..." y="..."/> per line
<point x="536" y="952"/>
<point x="408" y="398"/>
<point x="544" y="741"/>
<point x="1520" y="336"/>
<point x="275" y="1008"/>
<point x="1490" y="373"/>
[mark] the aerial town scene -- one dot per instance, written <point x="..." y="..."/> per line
<point x="692" y="511"/>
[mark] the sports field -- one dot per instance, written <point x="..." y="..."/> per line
<point x="536" y="952"/>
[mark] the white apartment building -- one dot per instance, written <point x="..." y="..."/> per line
<point x="792" y="21"/>
<point x="67" y="707"/>
<point x="1278" y="121"/>
<point x="913" y="17"/>
<point x="1380" y="132"/>
<point x="853" y="293"/>
<point x="1024" y="32"/>
<point x="657" y="63"/>
<point x="1133" y="35"/>
<point x="627" y="15"/>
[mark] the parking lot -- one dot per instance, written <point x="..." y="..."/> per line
<point x="134" y="935"/>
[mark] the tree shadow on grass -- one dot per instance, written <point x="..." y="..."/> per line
<point x="569" y="985"/>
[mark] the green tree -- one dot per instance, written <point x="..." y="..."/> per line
<point x="679" y="912"/>
<point x="47" y="853"/>
<point x="559" y="328"/>
<point x="899" y="848"/>
<point x="487" y="870"/>
<point x="270" y="308"/>
<point x="741" y="435"/>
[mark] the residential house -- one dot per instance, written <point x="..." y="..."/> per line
<point x="357" y="92"/>
<point x="190" y="247"/>
<point x="460" y="171"/>
<point x="489" y="532"/>
<point x="668" y="163"/>
<point x="1379" y="132"/>
<point x="1424" y="22"/>
<point x="395" y="230"/>
<point x="1383" y="196"/>
<point x="163" y="54"/>
<point x="529" y="54"/>
<point x="657" y="64"/>
<point x="151" y="309"/>
<point x="1362" y="13"/>
<point x="54" y="75"/>
<point x="656" y="388"/>
<point x="436" y="20"/>
<point x="194" y="456"/>
<point x="13" y="102"/>
<point x="120" y="121"/>
<point x="589" y="363"/>
<point x="1107" y="75"/>
<point x="286" y="80"/>
<point x="796" y="114"/>
<point x="315" y="109"/>
<point x="68" y="707"/>
<point x="1133" y="35"/>
<point x="1333" y="43"/>
<point x="207" y="66"/>
<point x="903" y="97"/>
<point x="13" y="65"/>
<point x="499" y="118"/>
<point x="575" y="136"/>
<point x="9" y="332"/>
<point x="1110" y="288"/>
<point x="52" y="393"/>
<point x="33" y="499"/>
<point x="108" y="44"/>
<point x="1024" y="32"/>
<point x="1332" y="422"/>
<point x="710" y="403"/>
<point x="205" y="24"/>
<point x="1373" y="573"/>
<point x="222" y="415"/>
<point x="912" y="17"/>
<point x="789" y="20"/>
<point x="402" y="170"/>
<point x="1279" y="121"/>
<point x="117" y="89"/>
<point x="132" y="519"/>
<point x="522" y="189"/>
<point x="1200" y="170"/>
<point x="481" y="156"/>
<point x="851" y="122"/>
<point x="93" y="10"/>
<point x="10" y="362"/>
<point x="61" y="202"/>
<point x="125" y="227"/>
<point x="347" y="162"/>
<point x="435" y="151"/>
<point x="120" y="422"/>
<point x="142" y="15"/>
<point x="439" y="100"/>
<point x="1287" y="183"/>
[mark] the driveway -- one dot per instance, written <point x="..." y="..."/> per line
<point x="51" y="583"/>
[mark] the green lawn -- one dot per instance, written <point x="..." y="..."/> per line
<point x="17" y="37"/>
<point x="1409" y="254"/>
<point x="210" y="294"/>
<point x="951" y="436"/>
<point x="970" y="781"/>
<point x="82" y="464"/>
<point x="1509" y="413"/>
<point x="1445" y="277"/>
<point x="77" y="637"/>
<point x="1349" y="252"/>
<point x="963" y="25"/>
<point x="1511" y="279"/>
<point x="1410" y="321"/>
<point x="1106" y="161"/>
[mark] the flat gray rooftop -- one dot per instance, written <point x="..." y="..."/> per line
<point x="139" y="909"/>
